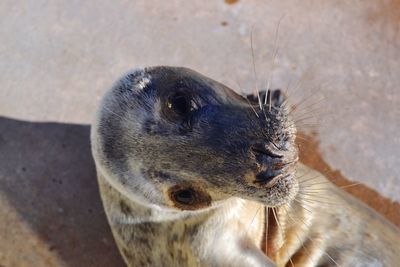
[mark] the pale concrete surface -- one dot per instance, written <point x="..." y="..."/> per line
<point x="58" y="57"/>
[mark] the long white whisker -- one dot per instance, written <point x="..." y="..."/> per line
<point x="252" y="220"/>
<point x="112" y="112"/>
<point x="254" y="69"/>
<point x="266" y="229"/>
<point x="302" y="205"/>
<point x="275" y="52"/>
<point x="350" y="185"/>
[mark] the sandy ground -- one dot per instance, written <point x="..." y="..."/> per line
<point x="339" y="59"/>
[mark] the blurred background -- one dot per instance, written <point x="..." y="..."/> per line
<point x="338" y="60"/>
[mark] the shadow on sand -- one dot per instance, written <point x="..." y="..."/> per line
<point x="48" y="176"/>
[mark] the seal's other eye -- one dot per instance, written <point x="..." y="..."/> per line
<point x="180" y="103"/>
<point x="189" y="197"/>
<point x="184" y="196"/>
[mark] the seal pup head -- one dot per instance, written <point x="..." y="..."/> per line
<point x="170" y="137"/>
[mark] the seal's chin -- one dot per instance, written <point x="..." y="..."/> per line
<point x="283" y="191"/>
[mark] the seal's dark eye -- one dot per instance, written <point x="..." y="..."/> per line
<point x="180" y="103"/>
<point x="184" y="196"/>
<point x="189" y="198"/>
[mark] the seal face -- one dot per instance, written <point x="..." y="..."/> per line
<point x="173" y="138"/>
<point x="186" y="168"/>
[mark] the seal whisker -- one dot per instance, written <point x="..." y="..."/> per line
<point x="316" y="195"/>
<point x="308" y="126"/>
<point x="248" y="102"/>
<point x="298" y="238"/>
<point x="318" y="183"/>
<point x="303" y="175"/>
<point x="309" y="238"/>
<point x="305" y="117"/>
<point x="266" y="229"/>
<point x="312" y="112"/>
<point x="306" y="100"/>
<point x="350" y="185"/>
<point x="251" y="106"/>
<point x="352" y="248"/>
<point x="309" y="200"/>
<point x="298" y="84"/>
<point x="275" y="53"/>
<point x="306" y="108"/>
<point x="276" y="219"/>
<point x="316" y="192"/>
<point x="326" y="253"/>
<point x="310" y="116"/>
<point x="327" y="172"/>
<point x="252" y="220"/>
<point x="308" y="105"/>
<point x="308" y="186"/>
<point x="302" y="221"/>
<point x="254" y="68"/>
<point x="304" y="181"/>
<point x="303" y="205"/>
<point x="112" y="112"/>
<point x="265" y="115"/>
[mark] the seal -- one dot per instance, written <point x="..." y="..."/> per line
<point x="193" y="174"/>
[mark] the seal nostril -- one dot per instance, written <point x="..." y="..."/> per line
<point x="265" y="150"/>
<point x="278" y="166"/>
<point x="277" y="98"/>
<point x="264" y="177"/>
